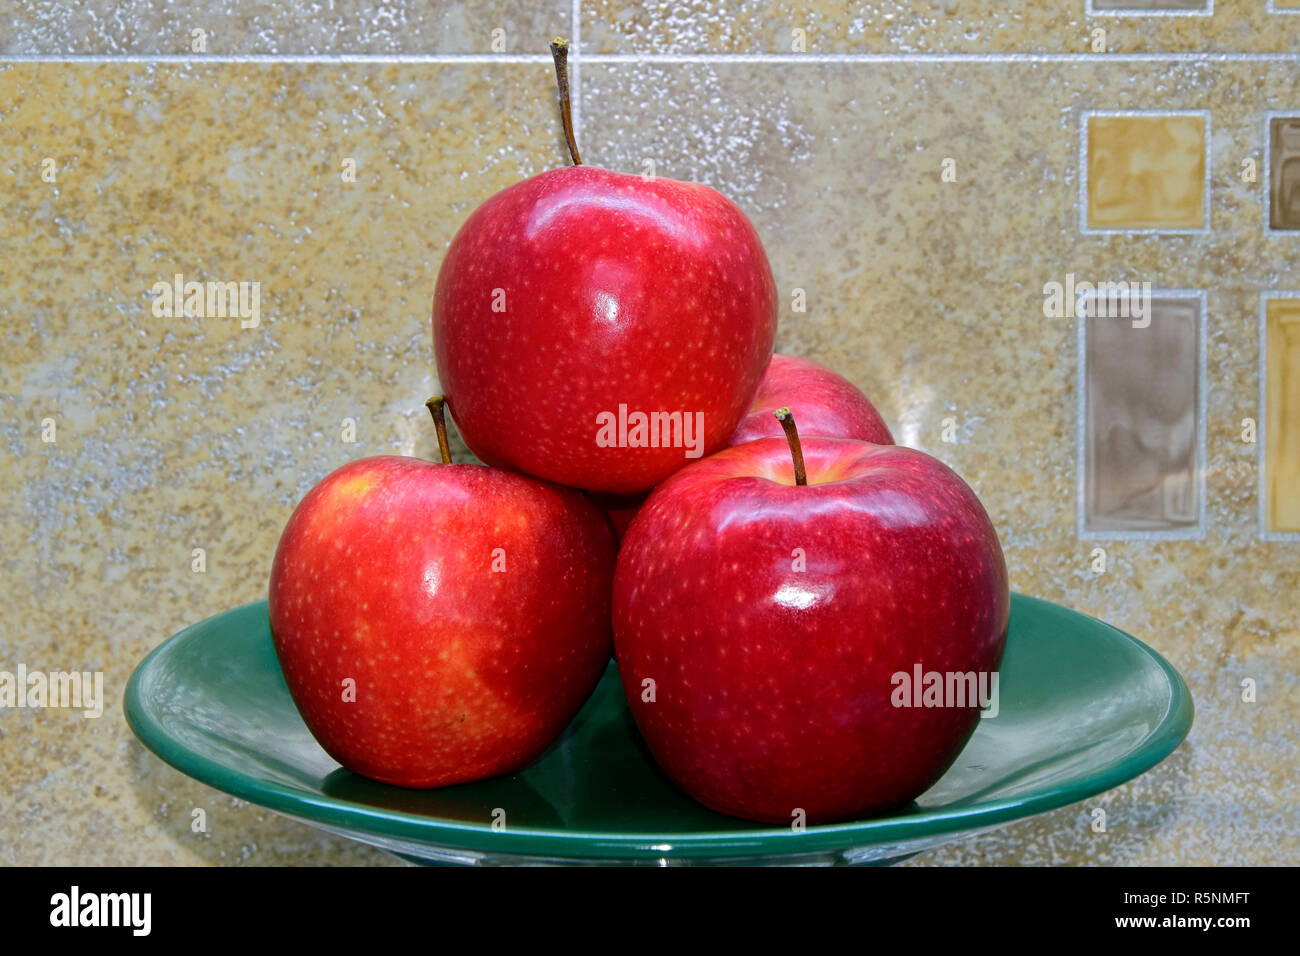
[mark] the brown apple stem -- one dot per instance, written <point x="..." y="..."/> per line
<point x="560" y="51"/>
<point x="435" y="406"/>
<point x="786" y="419"/>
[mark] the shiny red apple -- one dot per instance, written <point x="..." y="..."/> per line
<point x="600" y="329"/>
<point x="822" y="402"/>
<point x="440" y="623"/>
<point x="761" y="626"/>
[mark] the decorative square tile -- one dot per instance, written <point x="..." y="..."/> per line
<point x="1143" y="427"/>
<point x="1127" y="8"/>
<point x="1280" y="409"/>
<point x="1283" y="177"/>
<point x="1145" y="171"/>
<point x="1284" y="6"/>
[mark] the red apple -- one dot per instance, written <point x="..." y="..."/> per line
<point x="440" y="623"/>
<point x="760" y="625"/>
<point x="572" y="303"/>
<point x="822" y="402"/>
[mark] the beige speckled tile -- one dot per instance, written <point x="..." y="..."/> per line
<point x="929" y="296"/>
<point x="177" y="433"/>
<point x="268" y="27"/>
<point x="922" y="26"/>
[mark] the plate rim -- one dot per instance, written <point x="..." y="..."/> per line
<point x="438" y="832"/>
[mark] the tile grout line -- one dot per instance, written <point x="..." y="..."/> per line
<point x="1064" y="57"/>
<point x="322" y="58"/>
<point x="633" y="58"/>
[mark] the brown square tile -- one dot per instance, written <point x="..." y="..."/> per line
<point x="1284" y="172"/>
<point x="1195" y="6"/>
<point x="1141" y="421"/>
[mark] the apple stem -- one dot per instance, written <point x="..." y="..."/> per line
<point x="560" y="52"/>
<point x="786" y="419"/>
<point x="435" y="406"/>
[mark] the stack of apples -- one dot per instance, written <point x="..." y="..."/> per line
<point x="604" y="343"/>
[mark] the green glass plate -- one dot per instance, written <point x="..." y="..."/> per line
<point x="1084" y="707"/>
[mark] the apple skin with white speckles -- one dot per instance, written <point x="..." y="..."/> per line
<point x="772" y="686"/>
<point x="822" y="402"/>
<point x="582" y="289"/>
<point x="467" y="661"/>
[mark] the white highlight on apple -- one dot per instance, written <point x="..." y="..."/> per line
<point x="946" y="689"/>
<point x="1102" y="300"/>
<point x="795" y="597"/>
<point x="651" y="430"/>
<point x="75" y="689"/>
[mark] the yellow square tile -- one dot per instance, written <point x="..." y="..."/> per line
<point x="1146" y="172"/>
<point x="1286" y="4"/>
<point x="1282" y="415"/>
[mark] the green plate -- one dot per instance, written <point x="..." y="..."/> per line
<point x="1084" y="707"/>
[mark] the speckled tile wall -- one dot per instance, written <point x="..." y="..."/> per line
<point x="253" y="27"/>
<point x="921" y="203"/>
<point x="929" y="26"/>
